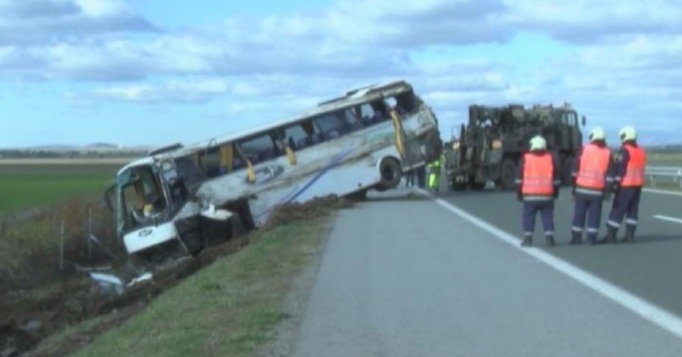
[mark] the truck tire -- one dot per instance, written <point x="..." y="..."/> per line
<point x="458" y="186"/>
<point x="567" y="171"/>
<point x="508" y="175"/>
<point x="477" y="186"/>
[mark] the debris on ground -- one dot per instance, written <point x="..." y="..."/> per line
<point x="30" y="315"/>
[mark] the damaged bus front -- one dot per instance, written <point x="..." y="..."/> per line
<point x="152" y="206"/>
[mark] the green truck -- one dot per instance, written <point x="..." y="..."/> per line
<point x="489" y="147"/>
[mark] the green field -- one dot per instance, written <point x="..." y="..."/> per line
<point x="664" y="158"/>
<point x="32" y="185"/>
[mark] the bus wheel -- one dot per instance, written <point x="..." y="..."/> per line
<point x="390" y="172"/>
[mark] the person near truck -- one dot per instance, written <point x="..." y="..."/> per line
<point x="538" y="186"/>
<point x="433" y="182"/>
<point x="628" y="182"/>
<point x="592" y="181"/>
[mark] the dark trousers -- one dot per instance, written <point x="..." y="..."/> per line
<point x="421" y="176"/>
<point x="587" y="208"/>
<point x="625" y="205"/>
<point x="530" y="210"/>
<point x="409" y="178"/>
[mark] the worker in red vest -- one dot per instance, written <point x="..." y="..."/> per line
<point x="538" y="186"/>
<point x="592" y="181"/>
<point x="628" y="182"/>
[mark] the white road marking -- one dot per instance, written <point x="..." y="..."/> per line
<point x="670" y="219"/>
<point x="637" y="305"/>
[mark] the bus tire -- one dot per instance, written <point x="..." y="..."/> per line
<point x="390" y="173"/>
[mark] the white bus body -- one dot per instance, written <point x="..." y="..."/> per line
<point x="345" y="146"/>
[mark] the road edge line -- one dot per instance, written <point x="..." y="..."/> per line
<point x="649" y="311"/>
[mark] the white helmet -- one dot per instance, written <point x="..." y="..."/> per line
<point x="597" y="133"/>
<point x="538" y="143"/>
<point x="627" y="133"/>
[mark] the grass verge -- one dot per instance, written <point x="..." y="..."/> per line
<point x="227" y="309"/>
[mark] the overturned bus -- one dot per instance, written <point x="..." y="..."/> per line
<point x="199" y="195"/>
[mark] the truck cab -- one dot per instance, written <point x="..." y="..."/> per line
<point x="490" y="146"/>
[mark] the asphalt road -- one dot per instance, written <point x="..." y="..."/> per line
<point x="429" y="278"/>
<point x="650" y="268"/>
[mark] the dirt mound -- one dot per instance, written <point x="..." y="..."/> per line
<point x="293" y="212"/>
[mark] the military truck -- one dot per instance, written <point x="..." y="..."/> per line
<point x="489" y="147"/>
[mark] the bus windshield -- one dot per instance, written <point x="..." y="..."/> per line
<point x="140" y="197"/>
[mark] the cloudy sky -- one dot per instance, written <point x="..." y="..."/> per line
<point x="153" y="72"/>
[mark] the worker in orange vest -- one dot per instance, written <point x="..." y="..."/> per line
<point x="592" y="181"/>
<point x="628" y="182"/>
<point x="538" y="186"/>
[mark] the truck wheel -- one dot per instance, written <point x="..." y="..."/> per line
<point x="458" y="186"/>
<point x="477" y="186"/>
<point x="508" y="175"/>
<point x="567" y="171"/>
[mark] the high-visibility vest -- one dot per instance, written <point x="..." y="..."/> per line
<point x="537" y="175"/>
<point x="634" y="172"/>
<point x="594" y="162"/>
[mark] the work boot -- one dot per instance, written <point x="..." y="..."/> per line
<point x="576" y="237"/>
<point x="550" y="240"/>
<point x="610" y="236"/>
<point x="629" y="235"/>
<point x="527" y="241"/>
<point x="592" y="238"/>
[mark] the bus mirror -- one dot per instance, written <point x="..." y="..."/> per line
<point x="584" y="120"/>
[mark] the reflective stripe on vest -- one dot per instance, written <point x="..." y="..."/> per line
<point x="634" y="172"/>
<point x="594" y="162"/>
<point x="537" y="175"/>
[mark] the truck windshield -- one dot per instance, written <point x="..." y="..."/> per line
<point x="140" y="197"/>
<point x="571" y="118"/>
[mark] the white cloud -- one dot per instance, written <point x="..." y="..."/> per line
<point x="622" y="60"/>
<point x="35" y="22"/>
<point x="585" y="21"/>
<point x="184" y="91"/>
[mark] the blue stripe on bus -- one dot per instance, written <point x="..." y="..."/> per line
<point x="297" y="192"/>
<point x="334" y="162"/>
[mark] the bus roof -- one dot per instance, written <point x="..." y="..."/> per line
<point x="351" y="98"/>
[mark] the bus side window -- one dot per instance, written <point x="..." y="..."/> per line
<point x="328" y="124"/>
<point x="296" y="135"/>
<point x="380" y="111"/>
<point x="259" y="149"/>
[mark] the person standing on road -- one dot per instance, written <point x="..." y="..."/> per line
<point x="538" y="186"/>
<point x="592" y="181"/>
<point x="409" y="178"/>
<point x="433" y="181"/>
<point x="629" y="179"/>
